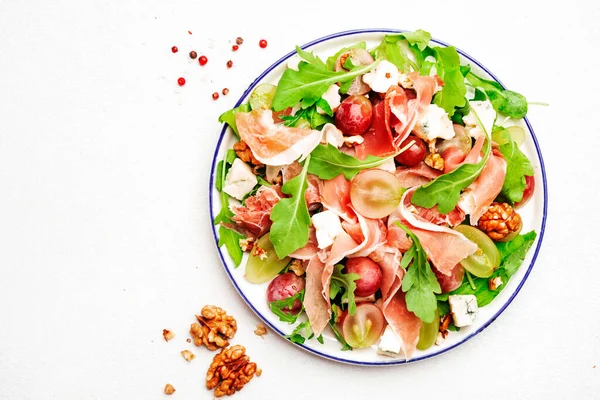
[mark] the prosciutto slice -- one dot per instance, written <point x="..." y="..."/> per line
<point x="253" y="219"/>
<point x="416" y="176"/>
<point x="444" y="247"/>
<point x="405" y="325"/>
<point x="317" y="307"/>
<point x="388" y="258"/>
<point x="335" y="196"/>
<point x="274" y="144"/>
<point x="450" y="282"/>
<point x="378" y="139"/>
<point x="454" y="157"/>
<point x="481" y="193"/>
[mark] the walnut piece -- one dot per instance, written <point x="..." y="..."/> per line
<point x="245" y="154"/>
<point x="214" y="329"/>
<point x="260" y="330"/>
<point x="435" y="161"/>
<point x="229" y="371"/>
<point x="169" y="389"/>
<point x="499" y="221"/>
<point x="168" y="335"/>
<point x="247" y="244"/>
<point x="297" y="267"/>
<point x="188" y="355"/>
<point x="259" y="371"/>
<point x="495" y="283"/>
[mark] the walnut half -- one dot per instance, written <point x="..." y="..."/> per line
<point x="229" y="371"/>
<point x="213" y="329"/>
<point x="499" y="221"/>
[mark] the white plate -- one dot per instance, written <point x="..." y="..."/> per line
<point x="533" y="214"/>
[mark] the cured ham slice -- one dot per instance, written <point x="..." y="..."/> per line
<point x="405" y="325"/>
<point x="454" y="157"/>
<point x="444" y="247"/>
<point x="317" y="306"/>
<point x="416" y="176"/>
<point x="453" y="218"/>
<point x="370" y="233"/>
<point x="378" y="139"/>
<point x="252" y="219"/>
<point x="481" y="193"/>
<point x="312" y="194"/>
<point x="335" y="196"/>
<point x="450" y="282"/>
<point x="388" y="258"/>
<point x="310" y="248"/>
<point x="275" y="144"/>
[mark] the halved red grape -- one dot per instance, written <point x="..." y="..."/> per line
<point x="364" y="328"/>
<point x="369" y="272"/>
<point x="354" y="115"/>
<point x="285" y="286"/>
<point x="414" y="154"/>
<point x="375" y="193"/>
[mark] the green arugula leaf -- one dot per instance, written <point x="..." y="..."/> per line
<point x="309" y="83"/>
<point x="418" y="38"/>
<point x="310" y="115"/>
<point x="419" y="282"/>
<point x="518" y="165"/>
<point x="290" y="216"/>
<point x="301" y="333"/>
<point x="308" y="56"/>
<point x="347" y="282"/>
<point x="418" y="43"/>
<point x="228" y="117"/>
<point x="231" y="240"/>
<point x="505" y="101"/>
<point x="454" y="90"/>
<point x="281" y="307"/>
<point x="327" y="162"/>
<point x="330" y="63"/>
<point x="335" y="315"/>
<point x="444" y="191"/>
<point x="390" y="50"/>
<point x="512" y="254"/>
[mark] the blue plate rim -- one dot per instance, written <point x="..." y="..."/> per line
<point x="328" y="356"/>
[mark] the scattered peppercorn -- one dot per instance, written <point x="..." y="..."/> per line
<point x="239" y="40"/>
<point x="262" y="43"/>
<point x="190" y="32"/>
<point x="193" y="55"/>
<point x="235" y="47"/>
<point x="203" y="60"/>
<point x="181" y="81"/>
<point x="215" y="96"/>
<point x="229" y="64"/>
<point x="174" y="49"/>
<point x="225" y="91"/>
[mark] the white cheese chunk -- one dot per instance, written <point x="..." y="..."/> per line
<point x="380" y="78"/>
<point x="436" y="124"/>
<point x="486" y="114"/>
<point x="332" y="135"/>
<point x="328" y="226"/>
<point x="239" y="180"/>
<point x="440" y="339"/>
<point x="389" y="345"/>
<point x="332" y="97"/>
<point x="463" y="308"/>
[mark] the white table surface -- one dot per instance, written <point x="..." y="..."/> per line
<point x="105" y="237"/>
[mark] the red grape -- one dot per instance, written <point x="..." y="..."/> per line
<point x="528" y="192"/>
<point x="414" y="154"/>
<point x="285" y="286"/>
<point x="364" y="328"/>
<point x="375" y="193"/>
<point x="354" y="115"/>
<point x="369" y="272"/>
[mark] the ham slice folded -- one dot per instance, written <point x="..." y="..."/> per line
<point x="252" y="219"/>
<point x="416" y="176"/>
<point x="335" y="196"/>
<point x="378" y="139"/>
<point x="388" y="258"/>
<point x="405" y="325"/>
<point x="454" y="157"/>
<point x="444" y="247"/>
<point x="317" y="307"/>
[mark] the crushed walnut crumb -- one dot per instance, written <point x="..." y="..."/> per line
<point x="246" y="244"/>
<point x="188" y="355"/>
<point x="168" y="335"/>
<point x="169" y="389"/>
<point x="260" y="330"/>
<point x="244" y="153"/>
<point x="297" y="267"/>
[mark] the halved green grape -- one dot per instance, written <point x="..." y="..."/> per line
<point x="375" y="193"/>
<point x="487" y="257"/>
<point x="517" y="134"/>
<point x="263" y="270"/>
<point x="429" y="333"/>
<point x="262" y="96"/>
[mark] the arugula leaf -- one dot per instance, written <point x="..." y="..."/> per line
<point x="229" y="117"/>
<point x="290" y="216"/>
<point x="419" y="283"/>
<point x="311" y="115"/>
<point x="281" y="307"/>
<point x="512" y="254"/>
<point x="454" y="90"/>
<point x="518" y="165"/>
<point x="335" y="315"/>
<point x="301" y="333"/>
<point x="444" y="191"/>
<point x="327" y="162"/>
<point x="347" y="283"/>
<point x="505" y="101"/>
<point x="418" y="38"/>
<point x="309" y="83"/>
<point x="389" y="49"/>
<point x="330" y="63"/>
<point x="308" y="56"/>
<point x="231" y="240"/>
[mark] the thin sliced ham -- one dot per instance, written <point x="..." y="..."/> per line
<point x="317" y="306"/>
<point x="370" y="233"/>
<point x="388" y="258"/>
<point x="252" y="219"/>
<point x="450" y="282"/>
<point x="378" y="139"/>
<point x="416" y="176"/>
<point x="335" y="196"/>
<point x="444" y="247"/>
<point x="433" y="215"/>
<point x="405" y="325"/>
<point x="312" y="195"/>
<point x="275" y="144"/>
<point x="310" y="248"/>
<point x="454" y="157"/>
<point x="481" y="193"/>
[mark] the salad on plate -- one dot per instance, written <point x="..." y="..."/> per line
<point x="376" y="193"/>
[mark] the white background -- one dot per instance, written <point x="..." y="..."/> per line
<point x="105" y="237"/>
